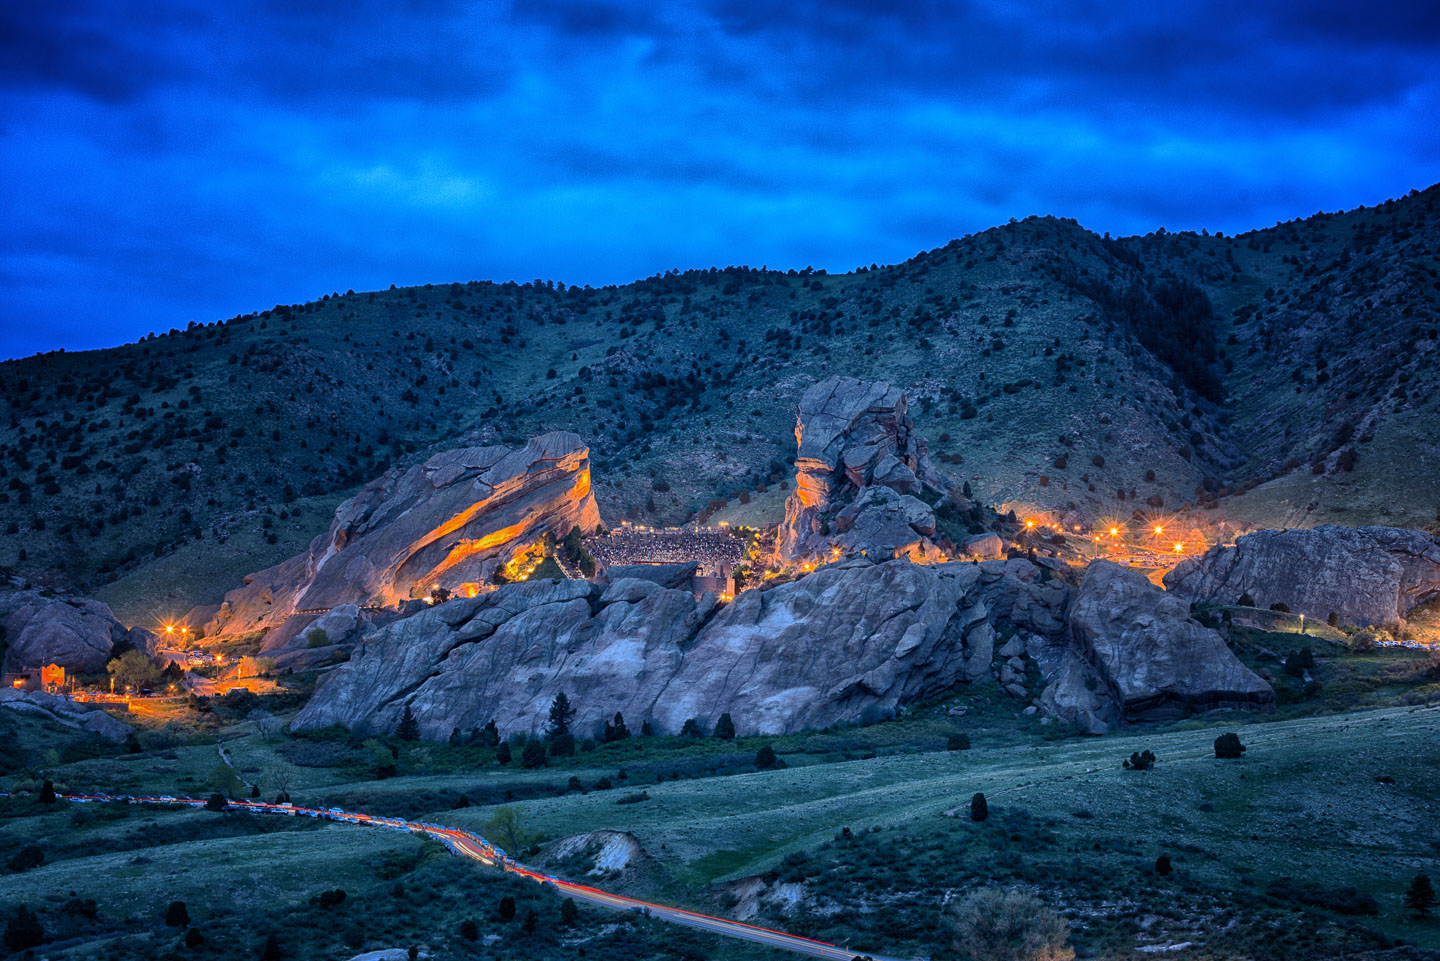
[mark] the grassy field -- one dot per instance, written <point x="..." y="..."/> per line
<point x="866" y="829"/>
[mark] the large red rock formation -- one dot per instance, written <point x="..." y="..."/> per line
<point x="450" y="522"/>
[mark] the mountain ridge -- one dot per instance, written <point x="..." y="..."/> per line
<point x="1051" y="366"/>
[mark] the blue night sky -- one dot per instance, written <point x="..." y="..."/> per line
<point x="179" y="160"/>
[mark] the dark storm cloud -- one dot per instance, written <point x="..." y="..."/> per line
<point x="183" y="159"/>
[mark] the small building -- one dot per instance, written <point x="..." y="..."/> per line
<point x="52" y="677"/>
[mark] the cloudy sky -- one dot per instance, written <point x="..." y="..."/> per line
<point x="184" y="160"/>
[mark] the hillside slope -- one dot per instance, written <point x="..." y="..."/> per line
<point x="1047" y="365"/>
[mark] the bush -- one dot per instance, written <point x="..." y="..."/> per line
<point x="23" y="930"/>
<point x="1162" y="865"/>
<point x="1341" y="900"/>
<point x="562" y="745"/>
<point x="30" y="856"/>
<point x="469" y="930"/>
<point x="1228" y="745"/>
<point x="176" y="915"/>
<point x="958" y="742"/>
<point x="995" y="925"/>
<point x="766" y="759"/>
<point x="1140" y="760"/>
<point x="725" y="727"/>
<point x="979" y="808"/>
<point x="317" y="638"/>
<point x="193" y="938"/>
<point x="693" y="727"/>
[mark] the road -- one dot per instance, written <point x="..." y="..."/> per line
<point x="470" y="845"/>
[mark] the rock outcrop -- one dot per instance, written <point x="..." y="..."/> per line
<point x="852" y="641"/>
<point x="76" y="633"/>
<point x="1136" y="654"/>
<point x="451" y="522"/>
<point x="858" y="468"/>
<point x="1363" y="575"/>
<point x="83" y="718"/>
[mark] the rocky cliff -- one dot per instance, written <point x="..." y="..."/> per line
<point x="858" y="467"/>
<point x="851" y="641"/>
<point x="76" y="633"/>
<point x="1136" y="654"/>
<point x="452" y="522"/>
<point x="1363" y="576"/>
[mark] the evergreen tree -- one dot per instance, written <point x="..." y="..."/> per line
<point x="271" y="951"/>
<point x="216" y="802"/>
<point x="765" y="758"/>
<point x="176" y="916"/>
<point x="569" y="913"/>
<point x="193" y="938"/>
<point x="533" y="755"/>
<point x="47" y="792"/>
<point x="1420" y="896"/>
<point x="1162" y="864"/>
<point x="647" y="729"/>
<point x="561" y="715"/>
<point x="615" y="729"/>
<point x="469" y="930"/>
<point x="693" y="727"/>
<point x="409" y="728"/>
<point x="490" y="734"/>
<point x="725" y="727"/>
<point x="455" y="739"/>
<point x="562" y="745"/>
<point x="531" y="922"/>
<point x="979" y="810"/>
<point x="502" y="754"/>
<point x="507" y="908"/>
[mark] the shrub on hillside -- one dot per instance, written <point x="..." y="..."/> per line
<point x="1228" y="745"/>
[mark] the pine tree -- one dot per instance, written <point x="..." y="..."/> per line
<point x="725" y="727"/>
<point x="490" y="734"/>
<point x="531" y="922"/>
<point x="507" y="908"/>
<point x="1420" y="896"/>
<point x="47" y="792"/>
<point x="502" y="753"/>
<point x="409" y="728"/>
<point x="1162" y="864"/>
<point x="569" y="913"/>
<point x="765" y="758"/>
<point x="561" y="714"/>
<point x="455" y="739"/>
<point x="979" y="809"/>
<point x="615" y="729"/>
<point x="271" y="951"/>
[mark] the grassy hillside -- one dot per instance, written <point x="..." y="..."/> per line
<point x="1047" y="365"/>
<point x="1301" y="849"/>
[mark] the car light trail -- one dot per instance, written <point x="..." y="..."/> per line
<point x="470" y="845"/>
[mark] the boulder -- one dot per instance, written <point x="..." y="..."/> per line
<point x="1363" y="575"/>
<point x="451" y="522"/>
<point x="1147" y="654"/>
<point x="40" y="629"/>
<point x="984" y="546"/>
<point x="849" y="642"/>
<point x="854" y="435"/>
<point x="67" y="713"/>
<point x="882" y="524"/>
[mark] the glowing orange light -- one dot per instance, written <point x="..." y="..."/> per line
<point x="169" y="628"/>
<point x="1114" y="531"/>
<point x="1179" y="548"/>
<point x="1029" y="523"/>
<point x="1159" y="530"/>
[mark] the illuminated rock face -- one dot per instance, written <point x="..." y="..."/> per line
<point x="855" y="437"/>
<point x="852" y="641"/>
<point x="1364" y="575"/>
<point x="450" y="522"/>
